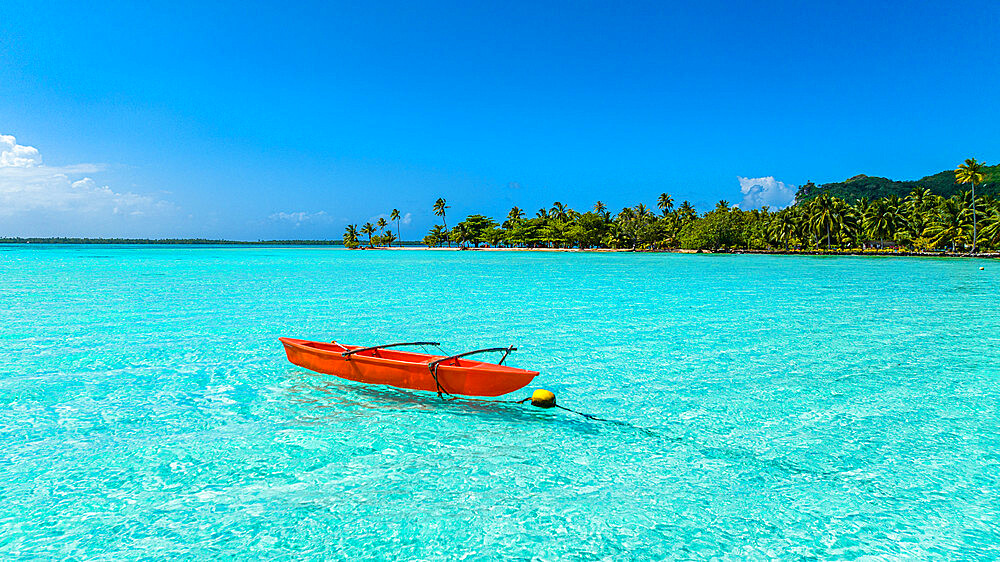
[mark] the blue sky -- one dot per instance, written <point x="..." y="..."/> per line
<point x="289" y="120"/>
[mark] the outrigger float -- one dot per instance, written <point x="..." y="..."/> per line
<point x="383" y="364"/>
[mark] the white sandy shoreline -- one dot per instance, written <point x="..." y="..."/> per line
<point x="890" y="253"/>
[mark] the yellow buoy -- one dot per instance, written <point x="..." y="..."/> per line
<point x="981" y="268"/>
<point x="543" y="399"/>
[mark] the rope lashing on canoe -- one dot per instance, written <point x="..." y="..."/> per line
<point x="433" y="365"/>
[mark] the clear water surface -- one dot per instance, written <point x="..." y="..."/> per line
<point x="770" y="406"/>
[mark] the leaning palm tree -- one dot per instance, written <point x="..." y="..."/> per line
<point x="394" y="216"/>
<point x="971" y="172"/>
<point x="665" y="203"/>
<point x="439" y="208"/>
<point x="381" y="224"/>
<point x="368" y="229"/>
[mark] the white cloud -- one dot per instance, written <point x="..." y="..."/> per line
<point x="13" y="155"/>
<point x="40" y="200"/>
<point x="300" y="217"/>
<point x="758" y="192"/>
<point x="407" y="219"/>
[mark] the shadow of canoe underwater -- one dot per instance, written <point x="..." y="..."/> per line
<point x="326" y="397"/>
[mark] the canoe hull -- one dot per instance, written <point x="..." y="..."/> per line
<point x="404" y="369"/>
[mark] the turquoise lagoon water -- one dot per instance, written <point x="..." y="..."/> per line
<point x="793" y="407"/>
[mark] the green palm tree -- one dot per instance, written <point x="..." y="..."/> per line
<point x="882" y="220"/>
<point x="916" y="209"/>
<point x="627" y="224"/>
<point x="368" y="229"/>
<point x="862" y="206"/>
<point x="460" y="234"/>
<point x="513" y="217"/>
<point x="919" y="200"/>
<point x="671" y="230"/>
<point x="686" y="212"/>
<point x="849" y="229"/>
<point x="439" y="210"/>
<point x="782" y="227"/>
<point x="800" y="222"/>
<point x="950" y="224"/>
<point x="394" y="216"/>
<point x="990" y="233"/>
<point x="558" y="211"/>
<point x="971" y="172"/>
<point x="665" y="203"/>
<point x="435" y="236"/>
<point x="824" y="217"/>
<point x="601" y="209"/>
<point x="381" y="224"/>
<point x="351" y="236"/>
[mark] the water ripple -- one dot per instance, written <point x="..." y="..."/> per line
<point x="764" y="407"/>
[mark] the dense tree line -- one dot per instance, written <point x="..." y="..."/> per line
<point x="166" y="241"/>
<point x="919" y="221"/>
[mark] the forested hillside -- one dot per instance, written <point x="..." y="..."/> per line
<point x="873" y="187"/>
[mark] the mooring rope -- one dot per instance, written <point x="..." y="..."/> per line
<point x="588" y="416"/>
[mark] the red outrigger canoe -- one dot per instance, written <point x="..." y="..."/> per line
<point x="405" y="369"/>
